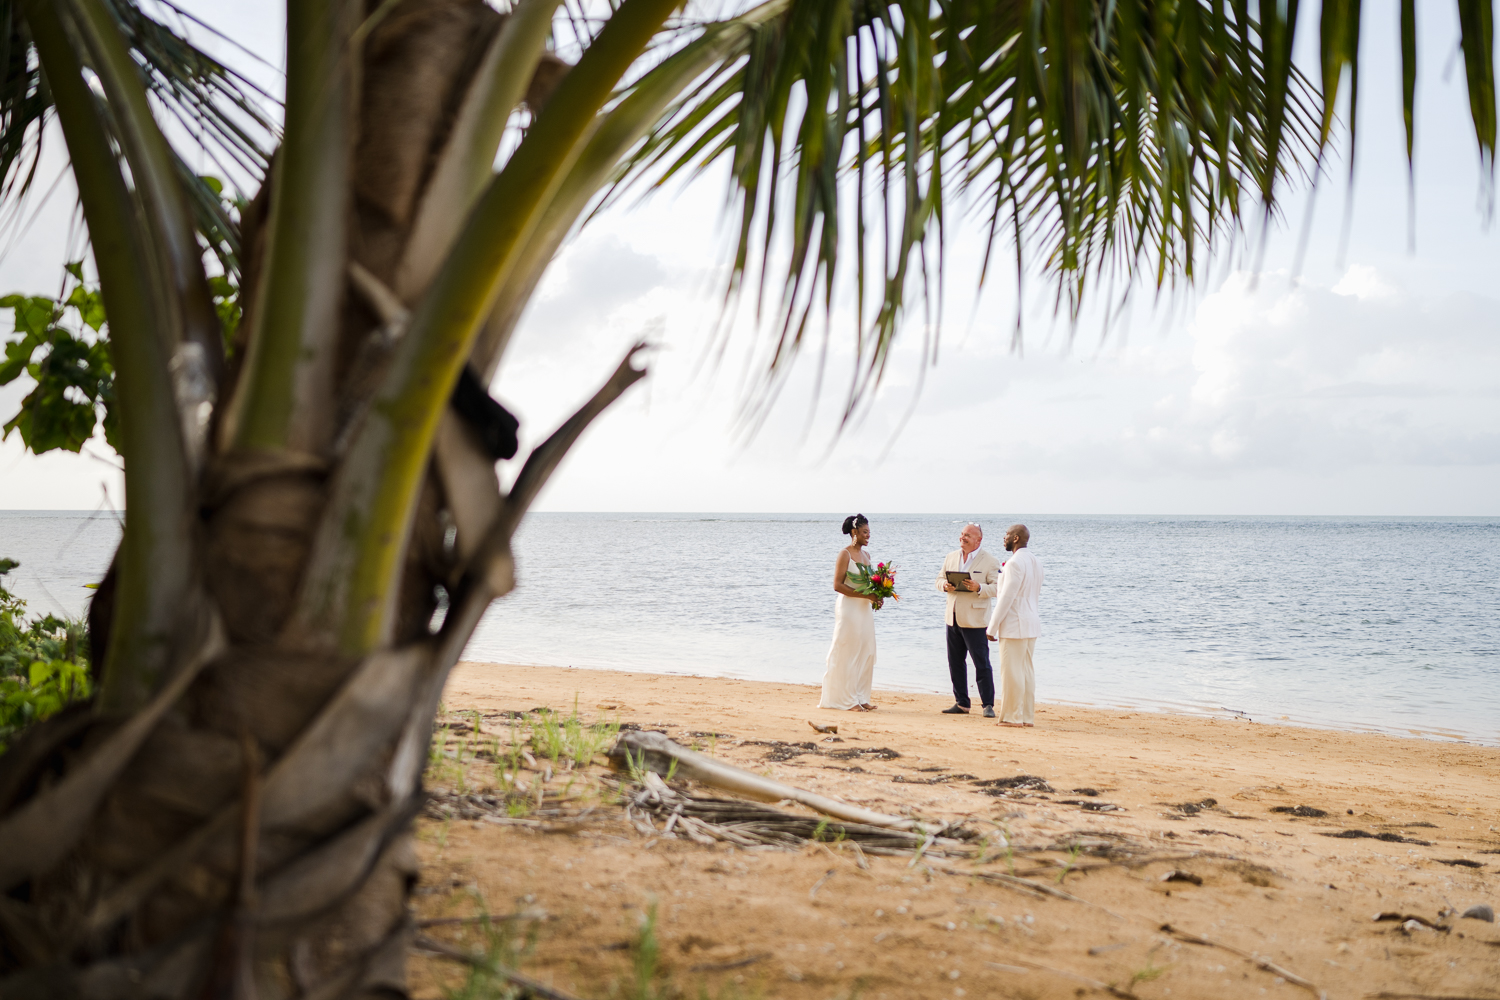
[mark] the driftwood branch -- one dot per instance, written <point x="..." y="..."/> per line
<point x="527" y="984"/>
<point x="654" y="752"/>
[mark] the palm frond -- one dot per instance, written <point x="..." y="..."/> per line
<point x="24" y="106"/>
<point x="1476" y="22"/>
<point x="232" y="120"/>
<point x="229" y="115"/>
<point x="1112" y="139"/>
<point x="226" y="116"/>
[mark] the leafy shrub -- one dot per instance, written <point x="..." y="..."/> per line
<point x="43" y="663"/>
<point x="62" y="345"/>
<point x="70" y="364"/>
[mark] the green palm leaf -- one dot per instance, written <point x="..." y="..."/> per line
<point x="1109" y="139"/>
<point x="229" y="117"/>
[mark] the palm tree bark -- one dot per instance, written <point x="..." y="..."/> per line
<point x="247" y="832"/>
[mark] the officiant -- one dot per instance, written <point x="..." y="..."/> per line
<point x="969" y="577"/>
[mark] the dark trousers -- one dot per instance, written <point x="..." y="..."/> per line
<point x="972" y="641"/>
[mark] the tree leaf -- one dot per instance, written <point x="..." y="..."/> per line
<point x="90" y="306"/>
<point x="74" y="377"/>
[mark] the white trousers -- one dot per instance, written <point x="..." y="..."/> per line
<point x="1017" y="681"/>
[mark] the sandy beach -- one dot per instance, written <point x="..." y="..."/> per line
<point x="1287" y="843"/>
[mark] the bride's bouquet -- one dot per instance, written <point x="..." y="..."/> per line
<point x="878" y="582"/>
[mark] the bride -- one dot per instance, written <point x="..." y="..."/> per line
<point x="851" y="658"/>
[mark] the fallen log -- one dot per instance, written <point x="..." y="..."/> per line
<point x="646" y="751"/>
<point x="751" y="824"/>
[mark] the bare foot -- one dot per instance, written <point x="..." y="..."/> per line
<point x="868" y="707"/>
<point x="1030" y="725"/>
<point x="859" y="708"/>
<point x="1012" y="725"/>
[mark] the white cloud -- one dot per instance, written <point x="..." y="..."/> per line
<point x="1273" y="375"/>
<point x="1364" y="282"/>
<point x="1360" y="373"/>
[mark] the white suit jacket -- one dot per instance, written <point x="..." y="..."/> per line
<point x="1016" y="615"/>
<point x="970" y="609"/>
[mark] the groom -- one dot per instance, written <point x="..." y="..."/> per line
<point x="967" y="614"/>
<point x="1016" y="625"/>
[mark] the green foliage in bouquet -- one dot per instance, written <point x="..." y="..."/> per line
<point x="43" y="663"/>
<point x="878" y="581"/>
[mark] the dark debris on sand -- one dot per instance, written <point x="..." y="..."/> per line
<point x="865" y="753"/>
<point x="1389" y="838"/>
<point x="1019" y="783"/>
<point x="779" y="751"/>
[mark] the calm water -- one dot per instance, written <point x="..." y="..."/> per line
<point x="1389" y="624"/>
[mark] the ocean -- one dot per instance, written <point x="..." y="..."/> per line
<point x="1361" y="623"/>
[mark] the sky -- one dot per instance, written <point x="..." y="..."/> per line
<point x="1332" y="376"/>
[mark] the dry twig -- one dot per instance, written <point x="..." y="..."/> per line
<point x="1095" y="984"/>
<point x="522" y="980"/>
<point x="727" y="966"/>
<point x="487" y="918"/>
<point x="1263" y="964"/>
<point x="1024" y="885"/>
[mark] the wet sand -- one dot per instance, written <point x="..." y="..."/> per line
<point x="811" y="923"/>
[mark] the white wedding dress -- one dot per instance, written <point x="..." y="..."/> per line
<point x="851" y="659"/>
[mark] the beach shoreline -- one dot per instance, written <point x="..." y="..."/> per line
<point x="1288" y="842"/>
<point x="1153" y="706"/>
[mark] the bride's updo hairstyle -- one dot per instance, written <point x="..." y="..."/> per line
<point x="853" y="521"/>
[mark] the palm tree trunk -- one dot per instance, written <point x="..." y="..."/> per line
<point x="243" y="829"/>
